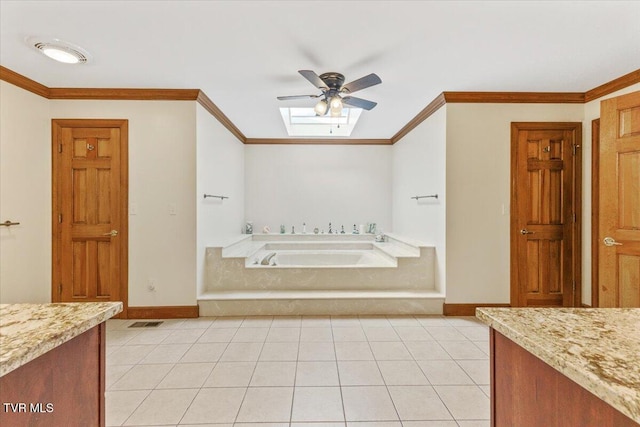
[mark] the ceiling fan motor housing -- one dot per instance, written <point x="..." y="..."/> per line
<point x="333" y="80"/>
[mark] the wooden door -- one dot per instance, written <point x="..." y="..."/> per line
<point x="619" y="222"/>
<point x="90" y="186"/>
<point x="545" y="213"/>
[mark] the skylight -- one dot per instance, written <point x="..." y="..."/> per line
<point x="305" y="122"/>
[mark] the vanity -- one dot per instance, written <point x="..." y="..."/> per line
<point x="564" y="367"/>
<point x="52" y="363"/>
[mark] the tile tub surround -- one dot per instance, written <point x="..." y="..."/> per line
<point x="27" y="331"/>
<point x="231" y="268"/>
<point x="231" y="274"/>
<point x="401" y="282"/>
<point x="599" y="349"/>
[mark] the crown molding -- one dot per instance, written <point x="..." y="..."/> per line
<point x="612" y="86"/>
<point x="318" y="141"/>
<point x="518" y="98"/>
<point x="515" y="97"/>
<point x="198" y="95"/>
<point x="216" y="112"/>
<point x="23" y="82"/>
<point x="427" y="111"/>
<point x="488" y="98"/>
<point x="26" y="83"/>
<point x="123" y="94"/>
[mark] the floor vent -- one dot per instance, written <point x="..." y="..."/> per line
<point x="145" y="324"/>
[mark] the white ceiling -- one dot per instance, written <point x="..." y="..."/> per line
<point x="245" y="53"/>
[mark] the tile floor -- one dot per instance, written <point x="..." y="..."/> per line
<point x="304" y="371"/>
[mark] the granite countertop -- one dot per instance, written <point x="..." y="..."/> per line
<point x="598" y="348"/>
<point x="27" y="331"/>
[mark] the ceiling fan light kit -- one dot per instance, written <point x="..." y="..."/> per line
<point x="332" y="86"/>
<point x="321" y="108"/>
<point x="336" y="106"/>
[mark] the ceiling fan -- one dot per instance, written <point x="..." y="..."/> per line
<point x="332" y="86"/>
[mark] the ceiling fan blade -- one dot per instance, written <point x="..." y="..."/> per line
<point x="362" y="83"/>
<point x="286" y="98"/>
<point x="359" y="102"/>
<point x="314" y="79"/>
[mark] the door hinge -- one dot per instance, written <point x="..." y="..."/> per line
<point x="574" y="148"/>
<point x="575" y="219"/>
<point x="573" y="286"/>
<point x="59" y="218"/>
<point x="59" y="148"/>
<point x="60" y="289"/>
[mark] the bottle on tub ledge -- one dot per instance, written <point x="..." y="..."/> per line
<point x="304" y="228"/>
<point x="282" y="229"/>
<point x="248" y="227"/>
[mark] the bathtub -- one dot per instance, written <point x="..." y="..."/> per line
<point x="319" y="274"/>
<point x="321" y="255"/>
<point x="325" y="259"/>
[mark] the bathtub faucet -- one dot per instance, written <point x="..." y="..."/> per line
<point x="267" y="260"/>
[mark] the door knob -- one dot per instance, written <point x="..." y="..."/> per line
<point x="112" y="233"/>
<point x="610" y="241"/>
<point x="525" y="231"/>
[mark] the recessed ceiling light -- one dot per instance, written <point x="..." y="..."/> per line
<point x="60" y="50"/>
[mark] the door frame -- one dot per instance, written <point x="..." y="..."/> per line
<point x="56" y="200"/>
<point x="595" y="210"/>
<point x="576" y="244"/>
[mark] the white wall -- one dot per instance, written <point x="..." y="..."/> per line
<point x="419" y="168"/>
<point x="591" y="112"/>
<point x="478" y="176"/>
<point x="25" y="196"/>
<point x="341" y="184"/>
<point x="162" y="171"/>
<point x="274" y="184"/>
<point x="220" y="171"/>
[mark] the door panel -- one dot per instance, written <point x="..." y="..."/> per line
<point x="619" y="261"/>
<point x="629" y="203"/>
<point x="90" y="210"/>
<point x="543" y="215"/>
<point x="629" y="268"/>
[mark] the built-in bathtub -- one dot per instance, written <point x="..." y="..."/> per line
<point x="319" y="274"/>
<point x="330" y="254"/>
<point x="326" y="259"/>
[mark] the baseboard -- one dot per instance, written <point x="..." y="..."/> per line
<point x="163" y="312"/>
<point x="466" y="309"/>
